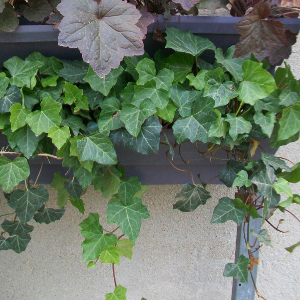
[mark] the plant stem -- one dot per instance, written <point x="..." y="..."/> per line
<point x="6" y="215"/>
<point x="241" y="104"/>
<point x="41" y="154"/>
<point x="114" y="274"/>
<point x="41" y="168"/>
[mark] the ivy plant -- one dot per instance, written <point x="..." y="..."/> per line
<point x="106" y="31"/>
<point x="53" y="109"/>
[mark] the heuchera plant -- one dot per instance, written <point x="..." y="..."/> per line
<point x="60" y="110"/>
<point x="108" y="30"/>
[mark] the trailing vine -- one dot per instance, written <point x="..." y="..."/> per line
<point x="53" y="109"/>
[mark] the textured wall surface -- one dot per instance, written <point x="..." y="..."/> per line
<point x="177" y="256"/>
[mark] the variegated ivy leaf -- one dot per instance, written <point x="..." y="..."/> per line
<point x="226" y="211"/>
<point x="266" y="122"/>
<point x="187" y="42"/>
<point x="191" y="197"/>
<point x="196" y="126"/>
<point x="238" y="125"/>
<point x="12" y="96"/>
<point x="42" y="120"/>
<point x="37" y="10"/>
<point x="239" y="270"/>
<point x="133" y="117"/>
<point x="258" y="83"/>
<point x="95" y="241"/>
<point x="97" y="147"/>
<point x="128" y="216"/>
<point x="8" y="18"/>
<point x="183" y="99"/>
<point x="12" y="172"/>
<point x="18" y="116"/>
<point x="21" y="71"/>
<point x="104" y="31"/>
<point x="275" y="162"/>
<point x="262" y="236"/>
<point x="27" y="202"/>
<point x="59" y="135"/>
<point x="105" y="84"/>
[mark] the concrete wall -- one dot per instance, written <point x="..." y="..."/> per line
<point x="177" y="256"/>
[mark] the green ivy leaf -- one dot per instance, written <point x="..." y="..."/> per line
<point x="167" y="113"/>
<point x="222" y="93"/>
<point x="59" y="135"/>
<point x="183" y="99"/>
<point x="109" y="184"/>
<point x="58" y="183"/>
<point x="128" y="189"/>
<point x="158" y="96"/>
<point x="258" y="83"/>
<point x="242" y="179"/>
<point x="293" y="247"/>
<point x="266" y="122"/>
<point x="104" y="84"/>
<point x="238" y="125"/>
<point x="219" y="127"/>
<point x="264" y="181"/>
<point x="282" y="186"/>
<point x="275" y="162"/>
<point x="125" y="247"/>
<point x="75" y="123"/>
<point x="226" y="211"/>
<point x="73" y="188"/>
<point x="239" y="270"/>
<point x="95" y="241"/>
<point x="73" y="71"/>
<point x="12" y="96"/>
<point x="48" y="215"/>
<point x="18" y="243"/>
<point x="131" y="63"/>
<point x="4" y="120"/>
<point x="146" y="142"/>
<point x="238" y="203"/>
<point x="197" y="81"/>
<point x="16" y="228"/>
<point x="42" y="120"/>
<point x="233" y="66"/>
<point x="78" y="203"/>
<point x="72" y="93"/>
<point x="26" y="140"/>
<point x="187" y="42"/>
<point x="128" y="216"/>
<point x="118" y="294"/>
<point x="97" y="147"/>
<point x="133" y="117"/>
<point x="289" y="122"/>
<point x="196" y="126"/>
<point x="164" y="79"/>
<point x="3" y="244"/>
<point x="180" y="63"/>
<point x="12" y="172"/>
<point x="191" y="197"/>
<point x="229" y="173"/>
<point x="4" y="82"/>
<point x="48" y="63"/>
<point x="21" y="71"/>
<point x="293" y="176"/>
<point x="27" y="202"/>
<point x="18" y="116"/>
<point x="146" y="70"/>
<point x="287" y="97"/>
<point x="111" y="255"/>
<point x="91" y="265"/>
<point x="262" y="236"/>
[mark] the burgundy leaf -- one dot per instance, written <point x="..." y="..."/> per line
<point x="145" y="20"/>
<point x="285" y="51"/>
<point x="259" y="35"/>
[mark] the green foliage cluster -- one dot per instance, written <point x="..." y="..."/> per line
<point x="57" y="109"/>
